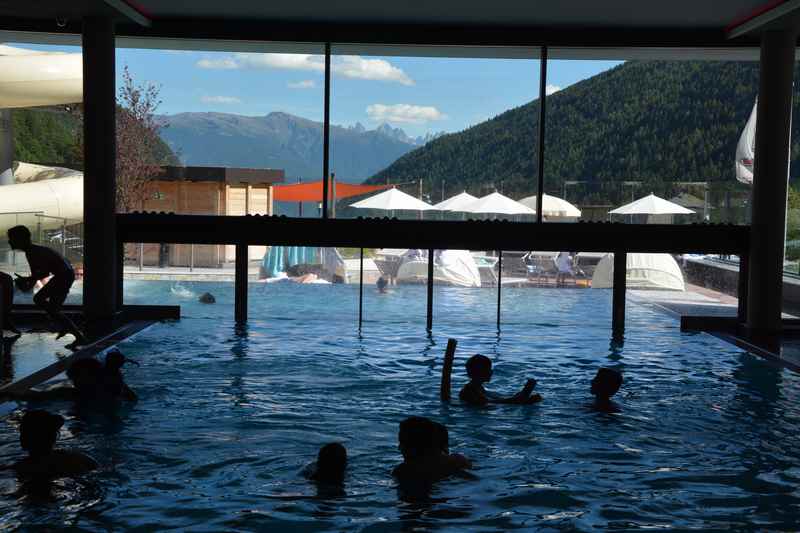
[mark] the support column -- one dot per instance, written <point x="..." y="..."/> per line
<point x="100" y="261"/>
<point x="618" y="299"/>
<point x="770" y="179"/>
<point x="240" y="282"/>
<point x="429" y="321"/>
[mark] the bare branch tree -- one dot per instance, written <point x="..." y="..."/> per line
<point x="137" y="142"/>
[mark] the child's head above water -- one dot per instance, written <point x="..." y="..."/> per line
<point x="39" y="431"/>
<point x="479" y="368"/>
<point x="606" y="383"/>
<point x="85" y="372"/>
<point x="331" y="463"/>
<point x="419" y="437"/>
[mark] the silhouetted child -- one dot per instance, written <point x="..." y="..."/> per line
<point x="479" y="371"/>
<point x="424" y="445"/>
<point x="46" y="262"/>
<point x="605" y="384"/>
<point x="381" y="284"/>
<point x="6" y="301"/>
<point x="93" y="385"/>
<point x="330" y="465"/>
<point x="37" y="436"/>
<point x="111" y="376"/>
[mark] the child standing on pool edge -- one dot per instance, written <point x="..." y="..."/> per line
<point x="44" y="262"/>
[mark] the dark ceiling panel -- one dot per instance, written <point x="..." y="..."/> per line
<point x="685" y="14"/>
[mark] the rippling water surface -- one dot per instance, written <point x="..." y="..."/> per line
<point x="707" y="437"/>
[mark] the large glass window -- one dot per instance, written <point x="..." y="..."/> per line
<point x="207" y="128"/>
<point x="434" y="123"/>
<point x="41" y="155"/>
<point x="619" y="130"/>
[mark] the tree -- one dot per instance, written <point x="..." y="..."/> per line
<point x="140" y="149"/>
<point x="138" y="142"/>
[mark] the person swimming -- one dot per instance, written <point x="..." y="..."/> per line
<point x="330" y="465"/>
<point x="38" y="434"/>
<point x="605" y="384"/>
<point x="46" y="262"/>
<point x="92" y="383"/>
<point x="111" y="376"/>
<point x="424" y="445"/>
<point x="479" y="371"/>
<point x="381" y="284"/>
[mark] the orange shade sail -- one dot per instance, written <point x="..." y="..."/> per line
<point x="312" y="191"/>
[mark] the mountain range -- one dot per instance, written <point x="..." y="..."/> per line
<point x="658" y="122"/>
<point x="281" y="140"/>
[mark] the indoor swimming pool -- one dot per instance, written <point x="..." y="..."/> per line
<point x="707" y="436"/>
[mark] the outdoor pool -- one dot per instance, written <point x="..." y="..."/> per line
<point x="708" y="436"/>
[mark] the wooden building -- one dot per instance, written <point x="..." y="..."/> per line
<point x="217" y="191"/>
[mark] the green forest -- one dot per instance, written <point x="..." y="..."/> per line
<point x="657" y="122"/>
<point x="51" y="136"/>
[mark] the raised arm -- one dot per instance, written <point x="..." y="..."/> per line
<point x="447" y="369"/>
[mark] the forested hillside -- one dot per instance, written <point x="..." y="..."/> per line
<point x="652" y="121"/>
<point x="51" y="136"/>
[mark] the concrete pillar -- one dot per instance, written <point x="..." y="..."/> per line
<point x="770" y="179"/>
<point x="99" y="183"/>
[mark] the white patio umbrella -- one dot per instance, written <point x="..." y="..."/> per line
<point x="392" y="200"/>
<point x="552" y="206"/>
<point x="651" y="205"/>
<point x="496" y="203"/>
<point x="456" y="202"/>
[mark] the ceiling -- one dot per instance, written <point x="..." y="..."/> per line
<point x="559" y="23"/>
<point x="682" y="14"/>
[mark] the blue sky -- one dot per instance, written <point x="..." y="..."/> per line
<point x="420" y="95"/>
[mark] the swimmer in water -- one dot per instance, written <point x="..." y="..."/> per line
<point x="381" y="284"/>
<point x="330" y="465"/>
<point x="605" y="384"/>
<point x="425" y="449"/>
<point x="45" y="262"/>
<point x="38" y="434"/>
<point x="479" y="371"/>
<point x="111" y="376"/>
<point x="93" y="384"/>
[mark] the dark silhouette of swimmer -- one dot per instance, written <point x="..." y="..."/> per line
<point x="93" y="384"/>
<point x="426" y="458"/>
<point x="45" y="262"/>
<point x="330" y="465"/>
<point x="207" y="298"/>
<point x="38" y="435"/>
<point x="6" y="302"/>
<point x="381" y="284"/>
<point x="605" y="384"/>
<point x="479" y="370"/>
<point x="111" y="377"/>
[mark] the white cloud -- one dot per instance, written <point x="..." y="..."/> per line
<point x="369" y="69"/>
<point x="305" y="84"/>
<point x="226" y="63"/>
<point x="353" y="67"/>
<point x="220" y="100"/>
<point x="550" y="89"/>
<point x="407" y="113"/>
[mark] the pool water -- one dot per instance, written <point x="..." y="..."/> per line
<point x="708" y="437"/>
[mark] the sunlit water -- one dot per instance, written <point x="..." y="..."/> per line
<point x="708" y="437"/>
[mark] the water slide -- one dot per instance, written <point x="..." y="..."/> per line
<point x="31" y="78"/>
